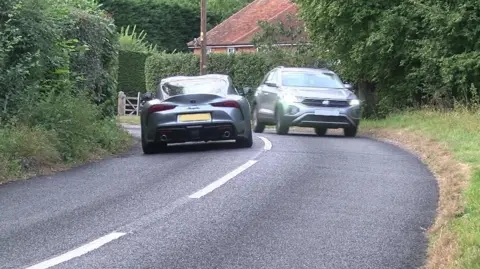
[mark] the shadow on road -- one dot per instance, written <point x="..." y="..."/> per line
<point x="335" y="134"/>
<point x="201" y="147"/>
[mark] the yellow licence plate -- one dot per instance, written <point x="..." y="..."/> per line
<point x="195" y="117"/>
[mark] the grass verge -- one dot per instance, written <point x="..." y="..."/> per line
<point x="449" y="142"/>
<point x="133" y="120"/>
<point x="56" y="133"/>
<point x="33" y="151"/>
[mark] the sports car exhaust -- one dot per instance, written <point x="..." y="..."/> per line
<point x="226" y="134"/>
<point x="163" y="138"/>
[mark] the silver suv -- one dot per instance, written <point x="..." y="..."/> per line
<point x="305" y="97"/>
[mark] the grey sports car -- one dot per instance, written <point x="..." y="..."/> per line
<point x="305" y="97"/>
<point x="194" y="108"/>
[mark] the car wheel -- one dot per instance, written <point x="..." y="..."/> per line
<point x="152" y="148"/>
<point x="258" y="127"/>
<point x="320" y="131"/>
<point x="245" y="142"/>
<point x="350" y="131"/>
<point x="281" y="126"/>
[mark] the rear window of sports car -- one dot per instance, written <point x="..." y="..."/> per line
<point x="195" y="86"/>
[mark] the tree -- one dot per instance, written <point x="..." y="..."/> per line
<point x="400" y="53"/>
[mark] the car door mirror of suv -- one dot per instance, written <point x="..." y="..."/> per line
<point x="271" y="84"/>
<point x="348" y="86"/>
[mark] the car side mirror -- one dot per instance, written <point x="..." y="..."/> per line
<point x="348" y="86"/>
<point x="271" y="84"/>
<point x="146" y="97"/>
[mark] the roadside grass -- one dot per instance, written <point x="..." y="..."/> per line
<point x="449" y="142"/>
<point x="133" y="120"/>
<point x="58" y="132"/>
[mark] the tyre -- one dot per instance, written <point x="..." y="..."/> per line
<point x="152" y="148"/>
<point x="258" y="127"/>
<point x="350" y="131"/>
<point x="320" y="131"/>
<point x="245" y="142"/>
<point x="281" y="126"/>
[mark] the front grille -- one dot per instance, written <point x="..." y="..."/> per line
<point x="331" y="103"/>
<point x="330" y="119"/>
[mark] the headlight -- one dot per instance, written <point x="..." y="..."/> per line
<point x="354" y="102"/>
<point x="290" y="98"/>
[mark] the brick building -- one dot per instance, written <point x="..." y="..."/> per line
<point x="235" y="34"/>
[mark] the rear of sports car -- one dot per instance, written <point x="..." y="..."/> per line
<point x="196" y="117"/>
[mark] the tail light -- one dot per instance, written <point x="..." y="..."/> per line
<point x="226" y="104"/>
<point x="160" y="107"/>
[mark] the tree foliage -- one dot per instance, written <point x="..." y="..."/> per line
<point x="134" y="41"/>
<point x="58" y="81"/>
<point x="170" y="24"/>
<point x="400" y="53"/>
<point x="56" y="45"/>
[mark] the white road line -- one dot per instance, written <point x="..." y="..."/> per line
<point x="214" y="185"/>
<point x="268" y="144"/>
<point x="78" y="251"/>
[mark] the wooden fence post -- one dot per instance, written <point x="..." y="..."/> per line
<point x="121" y="103"/>
<point x="138" y="103"/>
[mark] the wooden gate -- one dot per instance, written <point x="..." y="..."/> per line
<point x="128" y="106"/>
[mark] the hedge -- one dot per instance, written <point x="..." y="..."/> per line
<point x="97" y="67"/>
<point x="246" y="69"/>
<point x="58" y="82"/>
<point x="131" y="72"/>
<point x="60" y="45"/>
<point x="168" y="24"/>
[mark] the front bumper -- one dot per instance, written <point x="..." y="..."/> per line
<point x="299" y="114"/>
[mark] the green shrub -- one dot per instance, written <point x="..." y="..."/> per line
<point x="66" y="128"/>
<point x="131" y="72"/>
<point x="95" y="69"/>
<point x="133" y="41"/>
<point x="58" y="79"/>
<point x="77" y="122"/>
<point x="18" y="153"/>
<point x="44" y="44"/>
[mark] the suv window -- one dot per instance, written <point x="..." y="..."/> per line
<point x="272" y="76"/>
<point x="310" y="79"/>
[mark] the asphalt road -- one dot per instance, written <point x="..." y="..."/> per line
<point x="296" y="201"/>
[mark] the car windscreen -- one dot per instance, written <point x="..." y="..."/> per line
<point x="195" y="86"/>
<point x="310" y="79"/>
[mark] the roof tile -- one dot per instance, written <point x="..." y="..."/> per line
<point x="241" y="27"/>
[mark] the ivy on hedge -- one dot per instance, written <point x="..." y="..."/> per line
<point x="246" y="69"/>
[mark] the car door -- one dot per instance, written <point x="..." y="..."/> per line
<point x="271" y="92"/>
<point x="261" y="96"/>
